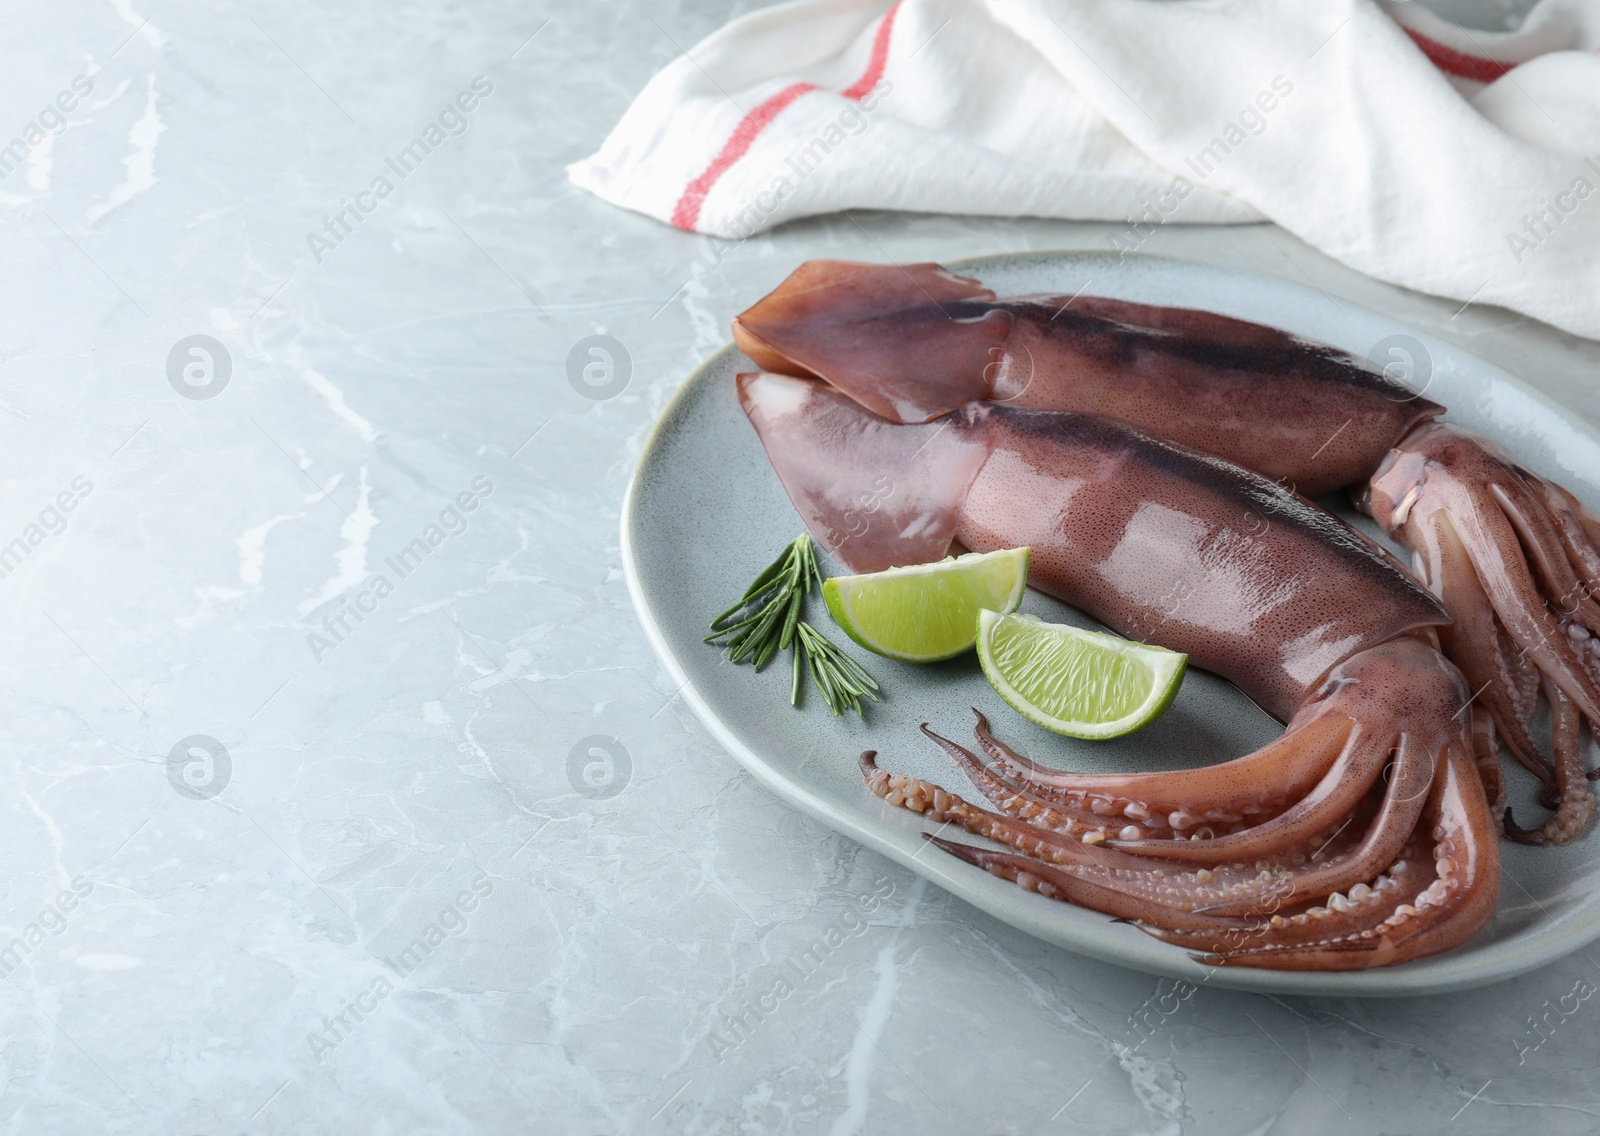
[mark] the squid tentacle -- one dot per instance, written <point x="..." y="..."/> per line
<point x="1071" y="817"/>
<point x="1486" y="753"/>
<point x="1329" y="918"/>
<point x="1546" y="552"/>
<point x="1476" y="641"/>
<point x="1143" y="805"/>
<point x="1055" y="882"/>
<point x="1260" y="784"/>
<point x="1525" y="679"/>
<point x="1579" y="530"/>
<point x="1576" y="805"/>
<point x="1580" y="533"/>
<point x="1352" y="774"/>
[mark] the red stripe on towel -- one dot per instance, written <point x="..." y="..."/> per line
<point x="879" y="60"/>
<point x="1458" y="63"/>
<point x="686" y="214"/>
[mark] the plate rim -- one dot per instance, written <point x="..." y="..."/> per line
<point x="1437" y="974"/>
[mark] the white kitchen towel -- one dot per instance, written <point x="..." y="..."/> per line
<point x="1457" y="162"/>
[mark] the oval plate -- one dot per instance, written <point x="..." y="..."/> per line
<point x="704" y="513"/>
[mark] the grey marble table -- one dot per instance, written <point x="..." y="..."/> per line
<point x="287" y="849"/>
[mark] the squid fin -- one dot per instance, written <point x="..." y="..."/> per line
<point x="908" y="342"/>
<point x="874" y="494"/>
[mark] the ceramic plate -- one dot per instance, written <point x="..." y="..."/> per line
<point x="705" y="512"/>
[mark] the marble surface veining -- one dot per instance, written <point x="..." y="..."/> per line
<point x="342" y="793"/>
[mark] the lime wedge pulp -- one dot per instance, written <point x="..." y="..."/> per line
<point x="927" y="612"/>
<point x="1085" y="684"/>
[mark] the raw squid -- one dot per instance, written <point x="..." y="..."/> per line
<point x="1513" y="557"/>
<point x="1360" y="838"/>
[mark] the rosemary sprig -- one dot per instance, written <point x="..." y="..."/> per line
<point x="843" y="681"/>
<point x="775" y="603"/>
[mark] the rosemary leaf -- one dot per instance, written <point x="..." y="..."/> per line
<point x="791" y="619"/>
<point x="794" y="677"/>
<point x="770" y="573"/>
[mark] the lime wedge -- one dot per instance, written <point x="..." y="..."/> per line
<point x="927" y="612"/>
<point x="1085" y="684"/>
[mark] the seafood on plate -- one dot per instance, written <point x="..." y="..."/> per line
<point x="1514" y="558"/>
<point x="1362" y="837"/>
